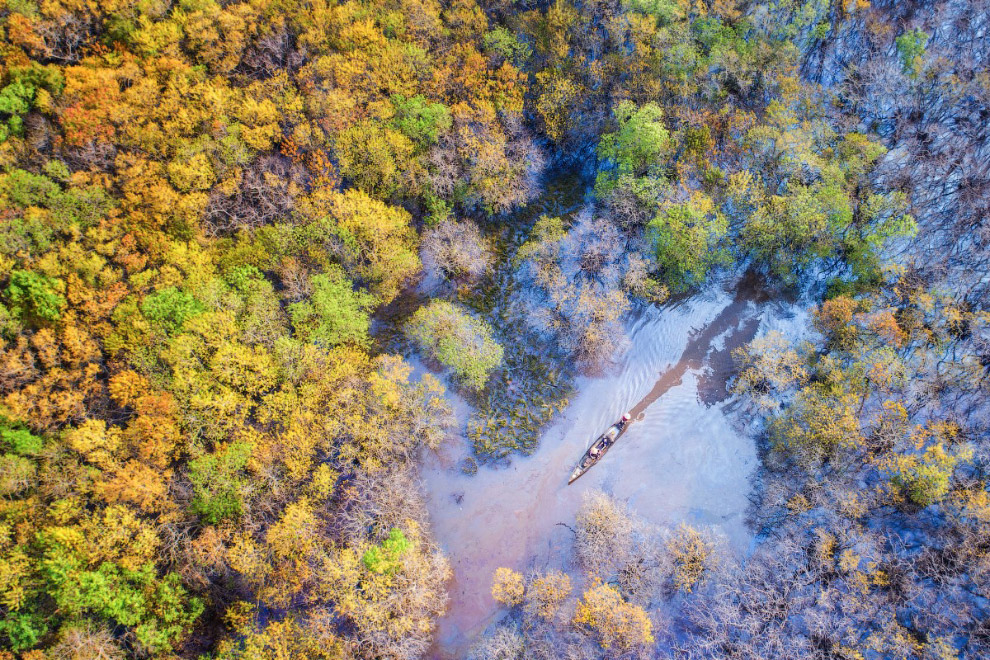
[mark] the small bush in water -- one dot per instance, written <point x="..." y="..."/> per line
<point x="460" y="342"/>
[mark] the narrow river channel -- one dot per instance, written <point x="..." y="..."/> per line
<point x="683" y="459"/>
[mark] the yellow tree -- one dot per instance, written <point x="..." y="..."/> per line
<point x="508" y="586"/>
<point x="614" y="622"/>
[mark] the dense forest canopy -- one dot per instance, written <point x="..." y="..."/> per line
<point x="232" y="230"/>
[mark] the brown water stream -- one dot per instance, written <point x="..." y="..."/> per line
<point x="682" y="460"/>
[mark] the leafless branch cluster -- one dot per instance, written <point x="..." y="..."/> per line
<point x="454" y="251"/>
<point x="262" y="197"/>
<point x="934" y="121"/>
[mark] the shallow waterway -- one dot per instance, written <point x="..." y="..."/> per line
<point x="683" y="459"/>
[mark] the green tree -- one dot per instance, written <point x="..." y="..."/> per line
<point x="218" y="483"/>
<point x="665" y="11"/>
<point x="642" y="142"/>
<point x="926" y="478"/>
<point x="387" y="557"/>
<point x="21" y="441"/>
<point x="457" y="340"/>
<point x="170" y="308"/>
<point x="23" y="629"/>
<point x="505" y="43"/>
<point x="34" y="297"/>
<point x="72" y="208"/>
<point x="157" y="609"/>
<point x="29" y="87"/>
<point x="790" y="231"/>
<point x="686" y="239"/>
<point x="419" y="120"/>
<point x="911" y="48"/>
<point x="335" y="313"/>
<point x="15" y="101"/>
<point x="881" y="218"/>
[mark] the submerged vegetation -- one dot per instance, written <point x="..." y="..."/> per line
<point x="218" y="216"/>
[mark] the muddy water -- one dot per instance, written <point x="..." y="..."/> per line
<point x="680" y="461"/>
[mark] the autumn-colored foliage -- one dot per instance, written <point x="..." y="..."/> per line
<point x="615" y="622"/>
<point x="202" y="206"/>
<point x="508" y="586"/>
<point x="214" y="217"/>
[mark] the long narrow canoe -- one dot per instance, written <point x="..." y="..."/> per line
<point x="598" y="448"/>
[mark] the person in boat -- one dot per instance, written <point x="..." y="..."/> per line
<point x="613" y="433"/>
<point x="609" y="438"/>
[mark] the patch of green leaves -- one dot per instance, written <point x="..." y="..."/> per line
<point x="335" y="313"/>
<point x="170" y="308"/>
<point x="217" y="483"/>
<point x="34" y="297"/>
<point x="387" y="558"/>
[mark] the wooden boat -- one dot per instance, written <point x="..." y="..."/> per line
<point x="599" y="447"/>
